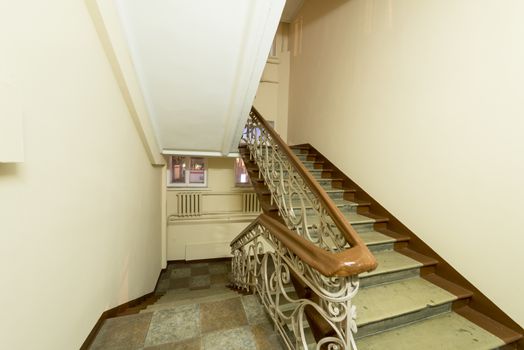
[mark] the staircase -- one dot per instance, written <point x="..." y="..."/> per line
<point x="412" y="300"/>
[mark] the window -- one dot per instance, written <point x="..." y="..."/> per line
<point x="187" y="172"/>
<point x="241" y="176"/>
<point x="257" y="132"/>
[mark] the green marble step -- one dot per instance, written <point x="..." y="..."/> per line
<point x="352" y="217"/>
<point x="448" y="331"/>
<point x="311" y="164"/>
<point x="342" y="204"/>
<point x="389" y="305"/>
<point x="377" y="241"/>
<point x="392" y="266"/>
<point x="302" y="156"/>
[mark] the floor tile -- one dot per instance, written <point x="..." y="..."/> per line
<point x="177" y="283"/>
<point x="197" y="271"/>
<point x="216" y="269"/>
<point x="222" y="315"/>
<point x="179" y="323"/>
<point x="126" y="332"/>
<point x="193" y="265"/>
<point x="200" y="282"/>
<point x="183" y="272"/>
<point x="266" y="338"/>
<point x="234" y="339"/>
<point x="163" y="286"/>
<point x="190" y="344"/>
<point x="254" y="310"/>
<point x="222" y="279"/>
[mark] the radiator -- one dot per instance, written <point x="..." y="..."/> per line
<point x="189" y="204"/>
<point x="250" y="203"/>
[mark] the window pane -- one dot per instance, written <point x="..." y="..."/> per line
<point x="197" y="176"/>
<point x="197" y="164"/>
<point x="241" y="172"/>
<point x="178" y="166"/>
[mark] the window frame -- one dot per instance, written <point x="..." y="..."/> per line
<point x="236" y="166"/>
<point x="186" y="183"/>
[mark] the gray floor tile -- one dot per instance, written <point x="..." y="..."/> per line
<point x="173" y="325"/>
<point x="126" y="332"/>
<point x="200" y="282"/>
<point x="234" y="339"/>
<point x="254" y="310"/>
<point x="221" y="315"/>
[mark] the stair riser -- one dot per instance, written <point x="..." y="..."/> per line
<point x="343" y="208"/>
<point x="363" y="227"/>
<point x="336" y="195"/>
<point x="376" y="327"/>
<point x="312" y="165"/>
<point x="389" y="277"/>
<point x="375" y="248"/>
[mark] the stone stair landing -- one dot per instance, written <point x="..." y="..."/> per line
<point x="196" y="312"/>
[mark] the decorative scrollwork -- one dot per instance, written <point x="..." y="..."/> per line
<point x="300" y="208"/>
<point x="261" y="264"/>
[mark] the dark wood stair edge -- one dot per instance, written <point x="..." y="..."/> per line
<point x="508" y="335"/>
<point x="120" y="310"/>
<point x="478" y="303"/>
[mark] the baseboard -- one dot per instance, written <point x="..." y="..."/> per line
<point x="114" y="312"/>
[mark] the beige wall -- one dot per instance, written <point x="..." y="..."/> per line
<point x="80" y="218"/>
<point x="273" y="91"/>
<point x="420" y="102"/>
<point x="222" y="217"/>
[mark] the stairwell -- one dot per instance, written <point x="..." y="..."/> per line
<point x="194" y="310"/>
<point x="412" y="300"/>
<point x="404" y="304"/>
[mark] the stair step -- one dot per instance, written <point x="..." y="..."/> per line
<point x="448" y="331"/>
<point x="186" y="293"/>
<point x="189" y="301"/>
<point x="392" y="266"/>
<point x="352" y="217"/>
<point x="508" y="335"/>
<point x="377" y="241"/>
<point x="407" y="301"/>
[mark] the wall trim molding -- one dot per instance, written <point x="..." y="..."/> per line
<point x="176" y="152"/>
<point x="212" y="218"/>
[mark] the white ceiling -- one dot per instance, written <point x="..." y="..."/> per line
<point x="199" y="63"/>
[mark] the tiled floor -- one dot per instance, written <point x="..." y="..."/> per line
<point x="188" y="318"/>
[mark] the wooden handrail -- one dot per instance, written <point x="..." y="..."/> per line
<point x="338" y="218"/>
<point x="352" y="261"/>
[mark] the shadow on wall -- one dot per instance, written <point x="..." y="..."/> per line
<point x="327" y="6"/>
<point x="9" y="169"/>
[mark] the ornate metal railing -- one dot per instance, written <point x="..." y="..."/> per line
<point x="318" y="248"/>
<point x="265" y="257"/>
<point x="303" y="204"/>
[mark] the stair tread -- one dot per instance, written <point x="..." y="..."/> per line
<point x="403" y="297"/>
<point x="423" y="259"/>
<point x="375" y="237"/>
<point x="448" y="331"/>
<point x="352" y="217"/>
<point x="390" y="261"/>
<point x="506" y="334"/>
<point x="449" y="286"/>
